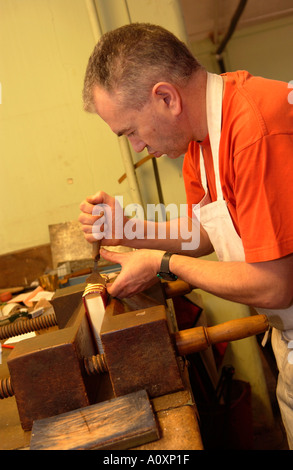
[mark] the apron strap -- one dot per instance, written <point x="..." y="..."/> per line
<point x="203" y="175"/>
<point x="214" y="98"/>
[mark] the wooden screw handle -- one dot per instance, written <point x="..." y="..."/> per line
<point x="200" y="338"/>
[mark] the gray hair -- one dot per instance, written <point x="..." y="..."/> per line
<point x="130" y="60"/>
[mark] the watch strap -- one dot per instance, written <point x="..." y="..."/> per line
<point x="164" y="268"/>
<point x="165" y="272"/>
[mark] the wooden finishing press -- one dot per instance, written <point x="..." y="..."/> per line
<point x="55" y="373"/>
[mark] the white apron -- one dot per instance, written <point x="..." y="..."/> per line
<point x="216" y="220"/>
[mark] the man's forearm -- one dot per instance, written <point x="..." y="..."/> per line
<point x="264" y="285"/>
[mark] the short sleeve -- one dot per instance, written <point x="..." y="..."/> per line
<point x="264" y="197"/>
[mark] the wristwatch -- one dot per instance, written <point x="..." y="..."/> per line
<point x="165" y="272"/>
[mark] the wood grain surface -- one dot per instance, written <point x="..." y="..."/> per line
<point x="119" y="423"/>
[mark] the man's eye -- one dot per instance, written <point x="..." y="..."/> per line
<point x="131" y="134"/>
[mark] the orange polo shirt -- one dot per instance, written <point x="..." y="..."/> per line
<point x="256" y="164"/>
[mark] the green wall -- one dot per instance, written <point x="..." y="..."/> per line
<point x="52" y="153"/>
<point x="49" y="147"/>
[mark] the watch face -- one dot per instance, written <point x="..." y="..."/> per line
<point x="168" y="276"/>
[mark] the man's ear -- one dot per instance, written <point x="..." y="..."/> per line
<point x="166" y="94"/>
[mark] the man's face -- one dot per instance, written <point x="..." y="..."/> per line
<point x="151" y="127"/>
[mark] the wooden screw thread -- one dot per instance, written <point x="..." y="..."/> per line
<point x="6" y="389"/>
<point x="27" y="326"/>
<point x="197" y="339"/>
<point x="95" y="364"/>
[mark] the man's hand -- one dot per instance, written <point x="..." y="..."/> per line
<point x="139" y="271"/>
<point x="102" y="218"/>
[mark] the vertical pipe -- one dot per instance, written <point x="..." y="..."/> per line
<point x="129" y="170"/>
<point x="94" y="19"/>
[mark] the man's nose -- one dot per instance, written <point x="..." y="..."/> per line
<point x="137" y="144"/>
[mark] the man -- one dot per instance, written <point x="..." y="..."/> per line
<point x="237" y="133"/>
